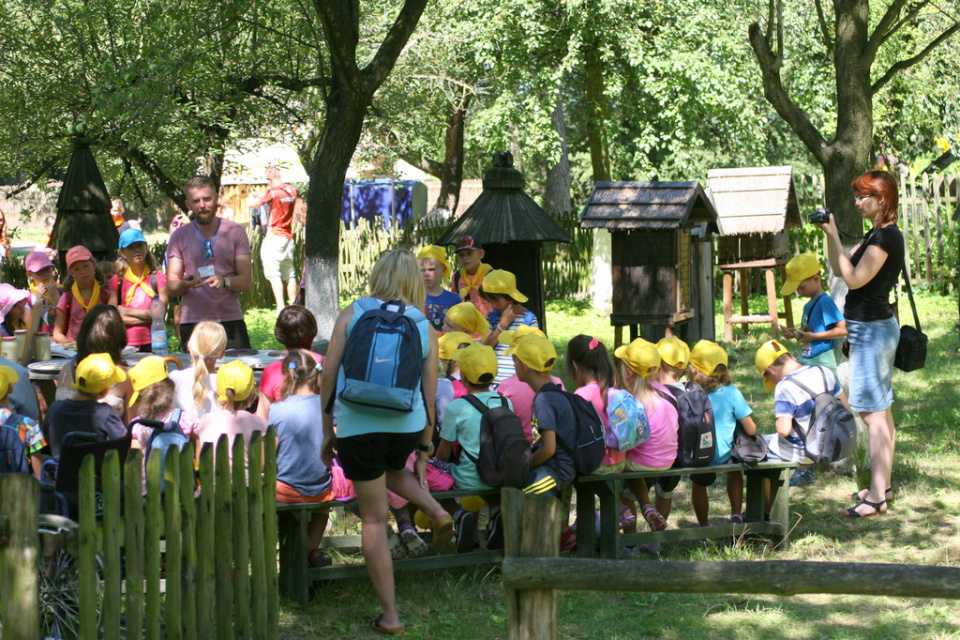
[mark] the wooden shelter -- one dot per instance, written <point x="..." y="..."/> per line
<point x="756" y="206"/>
<point x="662" y="259"/>
<point x="511" y="227"/>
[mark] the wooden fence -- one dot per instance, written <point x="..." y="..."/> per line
<point x="533" y="572"/>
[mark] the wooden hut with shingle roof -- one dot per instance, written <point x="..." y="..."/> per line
<point x="756" y="206"/>
<point x="661" y="260"/>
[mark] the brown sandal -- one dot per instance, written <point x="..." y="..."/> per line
<point x="878" y="509"/>
<point x="377" y="625"/>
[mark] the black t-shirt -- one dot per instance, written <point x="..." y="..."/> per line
<point x="871" y="302"/>
<point x="552" y="412"/>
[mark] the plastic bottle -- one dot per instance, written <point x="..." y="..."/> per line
<point x="158" y="327"/>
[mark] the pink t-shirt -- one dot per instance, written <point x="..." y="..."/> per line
<point x="137" y="334"/>
<point x="203" y="303"/>
<point x="272" y="378"/>
<point x="521" y="395"/>
<point x="223" y="422"/>
<point x="76" y="312"/>
<point x="660" y="450"/>
<point x="592" y="393"/>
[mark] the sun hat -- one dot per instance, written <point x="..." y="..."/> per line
<point x="767" y="354"/>
<point x="235" y="376"/>
<point x="510" y="337"/>
<point x="37" y="261"/>
<point x="450" y="342"/>
<point x="7" y="377"/>
<point x="76" y="254"/>
<point x="503" y="283"/>
<point x="97" y="373"/>
<point x="674" y="351"/>
<point x="131" y="236"/>
<point x="148" y="371"/>
<point x="801" y="267"/>
<point x="437" y="253"/>
<point x="706" y="356"/>
<point x="467" y="242"/>
<point x="537" y="353"/>
<point x="468" y="317"/>
<point x="9" y="297"/>
<point x="478" y="363"/>
<point x="640" y="356"/>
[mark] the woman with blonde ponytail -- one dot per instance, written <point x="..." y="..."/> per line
<point x="196" y="390"/>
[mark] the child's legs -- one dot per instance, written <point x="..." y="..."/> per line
<point x="699" y="498"/>
<point x="665" y="487"/>
<point x="735" y="491"/>
<point x="318" y="524"/>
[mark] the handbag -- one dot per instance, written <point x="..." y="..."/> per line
<point x="912" y="348"/>
<point x="747" y="450"/>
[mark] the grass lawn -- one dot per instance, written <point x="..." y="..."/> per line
<point x="921" y="527"/>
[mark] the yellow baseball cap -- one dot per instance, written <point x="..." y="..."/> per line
<point x="7" y="377"/>
<point x="674" y="351"/>
<point x="801" y="267"/>
<point x="148" y="371"/>
<point x="96" y="373"/>
<point x="503" y="283"/>
<point x="640" y="356"/>
<point x="767" y="354"/>
<point x="478" y="363"/>
<point x="706" y="356"/>
<point x="468" y="317"/>
<point x="437" y="253"/>
<point x="450" y="342"/>
<point x="509" y="337"/>
<point x="537" y="353"/>
<point x="237" y="377"/>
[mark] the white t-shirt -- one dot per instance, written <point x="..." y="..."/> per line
<point x="790" y="401"/>
<point x="183" y="397"/>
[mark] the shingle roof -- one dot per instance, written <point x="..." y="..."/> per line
<point x="648" y="205"/>
<point x="83" y="208"/>
<point x="754" y="199"/>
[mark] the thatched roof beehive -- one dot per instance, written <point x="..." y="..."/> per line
<point x="625" y="206"/>
<point x="83" y="208"/>
<point x="754" y="200"/>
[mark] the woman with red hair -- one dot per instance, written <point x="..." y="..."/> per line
<point x="870" y="272"/>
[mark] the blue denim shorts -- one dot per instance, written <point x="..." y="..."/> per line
<point x="872" y="347"/>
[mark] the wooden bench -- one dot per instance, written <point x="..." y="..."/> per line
<point x="607" y="489"/>
<point x="295" y="577"/>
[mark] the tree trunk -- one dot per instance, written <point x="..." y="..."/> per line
<point x="556" y="197"/>
<point x="596" y="108"/>
<point x="451" y="172"/>
<point x="212" y="167"/>
<point x="341" y="133"/>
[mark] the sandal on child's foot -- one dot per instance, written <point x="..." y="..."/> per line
<point x="863" y="494"/>
<point x="319" y="559"/>
<point x="653" y="517"/>
<point x="878" y="508"/>
<point x="377" y="625"/>
<point x="442" y="531"/>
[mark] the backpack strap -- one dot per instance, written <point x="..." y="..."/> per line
<point x="669" y="397"/>
<point x="810" y="393"/>
<point x="174" y="421"/>
<point x="11" y="420"/>
<point x="482" y="408"/>
<point x="555" y="388"/>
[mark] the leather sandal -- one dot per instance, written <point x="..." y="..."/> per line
<point x="878" y="508"/>
<point x="856" y="495"/>
<point x="653" y="517"/>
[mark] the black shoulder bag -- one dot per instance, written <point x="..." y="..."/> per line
<point x="912" y="348"/>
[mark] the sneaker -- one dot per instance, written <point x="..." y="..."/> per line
<point x="442" y="531"/>
<point x="736" y="519"/>
<point x="801" y="477"/>
<point x="652" y="548"/>
<point x="412" y="542"/>
<point x="495" y="530"/>
<point x="629" y="553"/>
<point x="319" y="559"/>
<point x="397" y="550"/>
<point x="466" y="522"/>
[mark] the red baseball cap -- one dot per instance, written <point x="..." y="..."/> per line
<point x="467" y="242"/>
<point x="78" y="253"/>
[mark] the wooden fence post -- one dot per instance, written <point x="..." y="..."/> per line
<point x="153" y="525"/>
<point x="19" y="507"/>
<point x="206" y="574"/>
<point x="188" y="527"/>
<point x="133" y="541"/>
<point x="532" y="528"/>
<point x="223" y="515"/>
<point x="110" y="472"/>
<point x="241" y="543"/>
<point x="87" y="558"/>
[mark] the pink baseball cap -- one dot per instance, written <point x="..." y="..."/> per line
<point x="78" y="253"/>
<point x="37" y="261"/>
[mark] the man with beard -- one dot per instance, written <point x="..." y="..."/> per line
<point x="209" y="266"/>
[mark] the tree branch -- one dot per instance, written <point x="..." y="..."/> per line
<point x="379" y="68"/>
<point x="773" y="90"/>
<point x="909" y="62"/>
<point x="824" y="29"/>
<point x="423" y="163"/>
<point x="883" y="30"/>
<point x="253" y="83"/>
<point x="36" y="176"/>
<point x="341" y="30"/>
<point x="156" y="174"/>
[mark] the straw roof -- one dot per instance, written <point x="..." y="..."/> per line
<point x="754" y="199"/>
<point x="504" y="213"/>
<point x="83" y="208"/>
<point x="648" y="205"/>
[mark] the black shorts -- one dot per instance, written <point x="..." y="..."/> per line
<point x="369" y="456"/>
<point x="237" y="337"/>
<point x="703" y="479"/>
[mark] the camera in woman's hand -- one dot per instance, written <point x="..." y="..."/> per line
<point x="820" y="216"/>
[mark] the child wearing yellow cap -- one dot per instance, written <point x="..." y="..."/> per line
<point x="235" y="392"/>
<point x="500" y="290"/>
<point x="709" y="367"/>
<point x="821" y="323"/>
<point x="26" y="429"/>
<point x="434" y="270"/>
<point x="93" y="378"/>
<point x="466" y="318"/>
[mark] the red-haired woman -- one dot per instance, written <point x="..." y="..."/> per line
<point x="870" y="272"/>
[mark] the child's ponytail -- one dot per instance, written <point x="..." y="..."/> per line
<point x="590" y="356"/>
<point x="299" y="369"/>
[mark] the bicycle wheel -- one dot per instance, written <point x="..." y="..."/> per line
<point x="59" y="587"/>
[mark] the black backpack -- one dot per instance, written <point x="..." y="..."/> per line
<point x="697" y="439"/>
<point x="13" y="454"/>
<point x="590" y="445"/>
<point x="504" y="456"/>
<point x="747" y="450"/>
<point x="831" y="434"/>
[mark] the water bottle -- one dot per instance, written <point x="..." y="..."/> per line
<point x="158" y="327"/>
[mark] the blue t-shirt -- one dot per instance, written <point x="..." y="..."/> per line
<point x="505" y="367"/>
<point x="820" y="314"/>
<point x="436" y="307"/>
<point x="462" y="424"/>
<point x="729" y="405"/>
<point x="299" y="442"/>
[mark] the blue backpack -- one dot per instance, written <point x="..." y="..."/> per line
<point x="627" y="418"/>
<point x="13" y="453"/>
<point x="165" y="435"/>
<point x="382" y="359"/>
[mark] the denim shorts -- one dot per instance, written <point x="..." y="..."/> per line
<point x="872" y="347"/>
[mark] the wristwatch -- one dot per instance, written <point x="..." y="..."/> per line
<point x="226" y="282"/>
<point x="424" y="447"/>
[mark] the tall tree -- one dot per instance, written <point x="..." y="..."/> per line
<point x="853" y="48"/>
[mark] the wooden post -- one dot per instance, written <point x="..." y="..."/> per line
<point x="532" y="527"/>
<point x="771" y="277"/>
<point x="787" y="300"/>
<point x="153" y="525"/>
<point x="223" y="562"/>
<point x="744" y="298"/>
<point x="174" y="559"/>
<point x="110" y="478"/>
<point x="258" y="569"/>
<point x="88" y="548"/>
<point x="270" y="531"/>
<point x="727" y="306"/>
<point x="188" y="527"/>
<point x="928" y="250"/>
<point x="19" y="507"/>
<point x="206" y="545"/>
<point x="133" y="541"/>
<point x="241" y="543"/>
